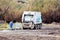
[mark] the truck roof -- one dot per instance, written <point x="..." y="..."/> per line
<point x="31" y="12"/>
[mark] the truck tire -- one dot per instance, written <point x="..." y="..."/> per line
<point x="38" y="26"/>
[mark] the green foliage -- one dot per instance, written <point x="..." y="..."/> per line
<point x="18" y="6"/>
<point x="45" y="5"/>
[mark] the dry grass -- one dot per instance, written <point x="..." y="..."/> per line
<point x="4" y="26"/>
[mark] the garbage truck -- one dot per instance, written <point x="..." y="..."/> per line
<point x="31" y="19"/>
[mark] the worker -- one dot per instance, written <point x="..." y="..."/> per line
<point x="11" y="25"/>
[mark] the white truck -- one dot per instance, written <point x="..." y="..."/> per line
<point x="32" y="19"/>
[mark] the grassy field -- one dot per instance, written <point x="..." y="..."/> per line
<point x="6" y="26"/>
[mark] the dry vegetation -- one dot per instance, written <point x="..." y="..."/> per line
<point x="12" y="10"/>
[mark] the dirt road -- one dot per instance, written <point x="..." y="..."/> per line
<point x="30" y="35"/>
<point x="46" y="33"/>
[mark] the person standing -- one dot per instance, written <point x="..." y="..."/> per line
<point x="11" y="25"/>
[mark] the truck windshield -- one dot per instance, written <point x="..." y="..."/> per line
<point x="28" y="17"/>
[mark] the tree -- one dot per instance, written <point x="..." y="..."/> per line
<point x="49" y="9"/>
<point x="9" y="9"/>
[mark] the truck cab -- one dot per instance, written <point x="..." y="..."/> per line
<point x="32" y="19"/>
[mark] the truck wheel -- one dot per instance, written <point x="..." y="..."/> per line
<point x="38" y="26"/>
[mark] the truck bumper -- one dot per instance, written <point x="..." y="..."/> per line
<point x="28" y="25"/>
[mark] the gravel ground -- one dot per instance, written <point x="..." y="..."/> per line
<point x="29" y="35"/>
<point x="48" y="32"/>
